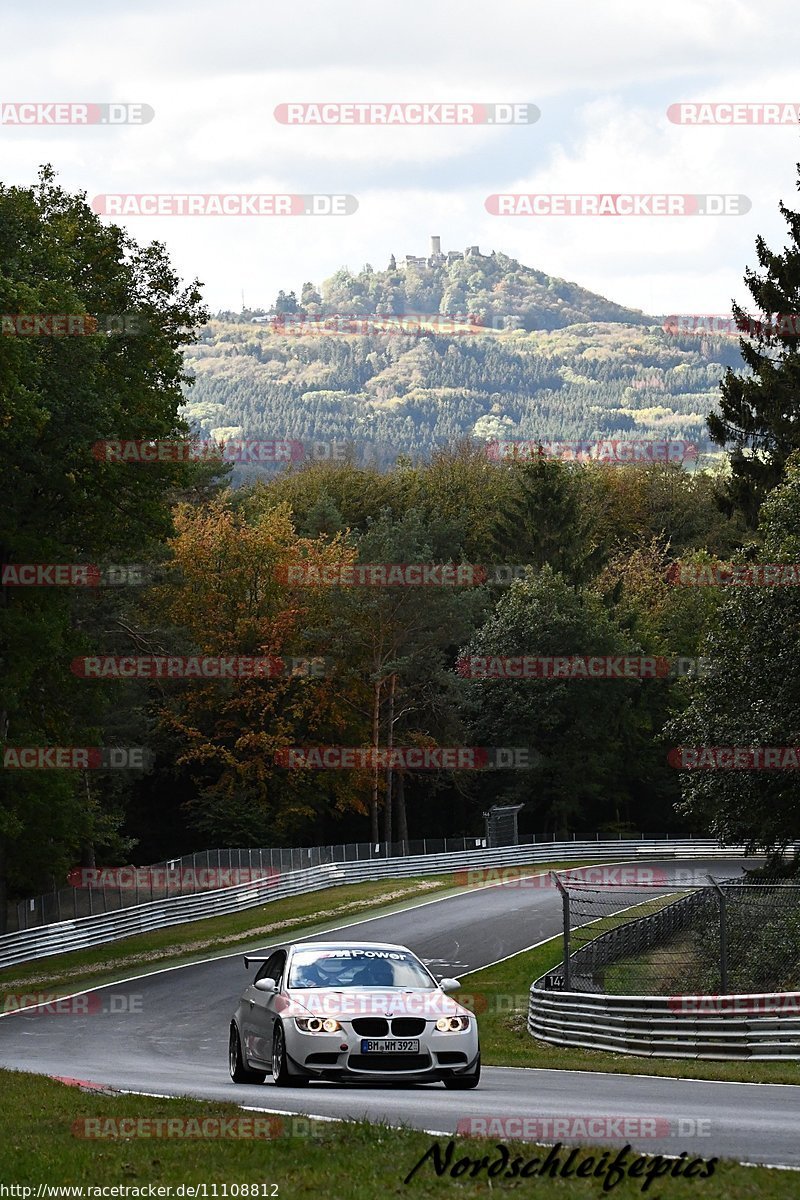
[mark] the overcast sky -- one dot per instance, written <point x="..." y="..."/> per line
<point x="603" y="76"/>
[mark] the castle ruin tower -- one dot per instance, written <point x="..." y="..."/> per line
<point x="436" y="247"/>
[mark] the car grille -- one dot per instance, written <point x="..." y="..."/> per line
<point x="379" y="1027"/>
<point x="371" y="1026"/>
<point x="408" y="1026"/>
<point x="389" y="1062"/>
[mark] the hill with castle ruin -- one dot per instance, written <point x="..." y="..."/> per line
<point x="497" y="290"/>
<point x="449" y="345"/>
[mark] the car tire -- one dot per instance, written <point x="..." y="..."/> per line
<point x="280" y="1063"/>
<point x="240" y="1072"/>
<point x="460" y="1083"/>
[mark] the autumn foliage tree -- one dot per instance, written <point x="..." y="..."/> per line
<point x="229" y="592"/>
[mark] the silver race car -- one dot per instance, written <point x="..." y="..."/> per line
<point x="366" y="1011"/>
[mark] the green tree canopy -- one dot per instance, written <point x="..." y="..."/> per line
<point x="749" y="693"/>
<point x="59" y="395"/>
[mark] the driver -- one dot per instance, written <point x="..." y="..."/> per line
<point x="322" y="972"/>
<point x="377" y="973"/>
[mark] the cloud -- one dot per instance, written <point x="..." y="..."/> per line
<point x="602" y="76"/>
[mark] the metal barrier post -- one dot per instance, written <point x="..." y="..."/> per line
<point x="723" y="937"/>
<point x="565" y="907"/>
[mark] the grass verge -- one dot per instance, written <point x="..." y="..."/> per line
<point x="43" y="1141"/>
<point x="663" y="969"/>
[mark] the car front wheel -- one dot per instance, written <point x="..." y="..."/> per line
<point x="460" y="1083"/>
<point x="240" y="1072"/>
<point x="280" y="1066"/>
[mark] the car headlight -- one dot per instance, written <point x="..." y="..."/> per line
<point x="317" y="1024"/>
<point x="452" y="1024"/>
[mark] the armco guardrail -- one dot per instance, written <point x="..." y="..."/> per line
<point x="110" y="927"/>
<point x="764" y="1026"/>
<point x="97" y="892"/>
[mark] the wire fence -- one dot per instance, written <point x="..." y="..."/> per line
<point x="91" y="891"/>
<point x="727" y="936"/>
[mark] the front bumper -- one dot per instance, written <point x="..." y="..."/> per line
<point x="441" y="1055"/>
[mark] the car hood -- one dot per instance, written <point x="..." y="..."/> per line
<point x="429" y="1003"/>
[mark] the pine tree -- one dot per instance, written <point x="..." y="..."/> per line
<point x="760" y="411"/>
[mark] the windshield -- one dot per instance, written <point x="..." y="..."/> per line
<point x="357" y="968"/>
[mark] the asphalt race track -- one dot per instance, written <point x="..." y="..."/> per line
<point x="166" y="1033"/>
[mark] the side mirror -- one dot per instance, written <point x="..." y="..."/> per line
<point x="266" y="985"/>
<point x="449" y="985"/>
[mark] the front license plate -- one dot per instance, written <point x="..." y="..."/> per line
<point x="390" y="1045"/>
